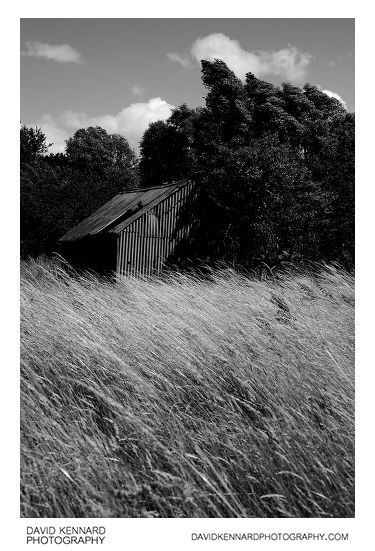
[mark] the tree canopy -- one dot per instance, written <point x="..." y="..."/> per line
<point x="32" y="144"/>
<point x="94" y="149"/>
<point x="276" y="165"/>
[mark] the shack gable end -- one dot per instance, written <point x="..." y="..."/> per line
<point x="149" y="242"/>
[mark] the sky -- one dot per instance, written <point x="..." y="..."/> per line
<point x="122" y="74"/>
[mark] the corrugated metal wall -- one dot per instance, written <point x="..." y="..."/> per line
<point x="146" y="244"/>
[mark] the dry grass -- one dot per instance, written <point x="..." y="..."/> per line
<point x="187" y="397"/>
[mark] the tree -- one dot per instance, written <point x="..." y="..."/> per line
<point x="275" y="165"/>
<point x="339" y="182"/>
<point x="260" y="205"/>
<point x="93" y="150"/>
<point x="227" y="102"/>
<point x="32" y="144"/>
<point x="167" y="149"/>
<point x="59" y="190"/>
<point x="102" y="165"/>
<point x="42" y="204"/>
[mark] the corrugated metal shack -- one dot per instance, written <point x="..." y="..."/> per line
<point x="136" y="233"/>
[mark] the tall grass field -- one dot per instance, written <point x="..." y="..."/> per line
<point x="187" y="396"/>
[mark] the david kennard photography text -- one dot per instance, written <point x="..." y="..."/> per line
<point x="65" y="535"/>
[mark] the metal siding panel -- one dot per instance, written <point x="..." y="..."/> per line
<point x="142" y="255"/>
<point x="123" y="252"/>
<point x="161" y="239"/>
<point x="119" y="253"/>
<point x="130" y="252"/>
<point x="148" y="239"/>
<point x="183" y="231"/>
<point x="127" y="251"/>
<point x="137" y="247"/>
<point x="144" y="245"/>
<point x="150" y="257"/>
<point x="156" y="243"/>
<point x="169" y="231"/>
<point x="162" y="231"/>
<point x="173" y="211"/>
<point x="134" y="248"/>
<point x="174" y="218"/>
<point x="153" y="237"/>
<point x="146" y="242"/>
<point x="165" y="230"/>
<point x="182" y="203"/>
<point x="137" y="266"/>
<point x="141" y="246"/>
<point x="123" y="249"/>
<point x="171" y="225"/>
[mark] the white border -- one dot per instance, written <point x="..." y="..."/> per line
<point x="174" y="534"/>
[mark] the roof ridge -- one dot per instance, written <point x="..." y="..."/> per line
<point x="139" y="189"/>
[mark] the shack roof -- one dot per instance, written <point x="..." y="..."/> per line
<point x="121" y="210"/>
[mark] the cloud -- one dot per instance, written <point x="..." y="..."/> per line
<point x="138" y="90"/>
<point x="58" y="52"/>
<point x="288" y="63"/>
<point x="55" y="134"/>
<point x="130" y="122"/>
<point x="182" y="59"/>
<point x="335" y="96"/>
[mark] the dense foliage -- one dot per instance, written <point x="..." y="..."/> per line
<point x="59" y="190"/>
<point x="275" y="166"/>
<point x="276" y="163"/>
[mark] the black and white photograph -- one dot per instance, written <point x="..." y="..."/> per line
<point x="187" y="216"/>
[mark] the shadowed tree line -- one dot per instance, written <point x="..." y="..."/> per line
<point x="59" y="190"/>
<point x="275" y="166"/>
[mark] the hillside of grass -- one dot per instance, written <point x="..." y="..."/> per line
<point x="187" y="397"/>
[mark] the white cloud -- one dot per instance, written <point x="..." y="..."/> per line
<point x="130" y="122"/>
<point x="182" y="59"/>
<point x="335" y="96"/>
<point x="219" y="46"/>
<point x="58" y="52"/>
<point x="288" y="63"/>
<point x="138" y="90"/>
<point x="55" y="134"/>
